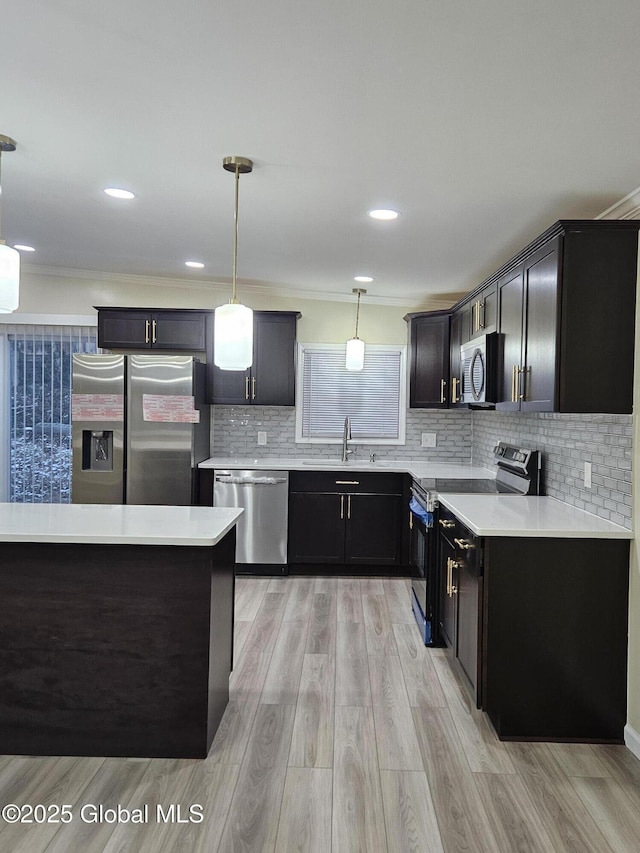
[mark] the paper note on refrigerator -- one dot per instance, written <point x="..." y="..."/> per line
<point x="169" y="409"/>
<point x="97" y="407"/>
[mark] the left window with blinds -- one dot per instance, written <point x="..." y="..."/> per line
<point x="35" y="420"/>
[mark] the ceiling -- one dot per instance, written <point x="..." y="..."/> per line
<point x="483" y="123"/>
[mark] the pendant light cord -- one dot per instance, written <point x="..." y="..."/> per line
<point x="357" y="315"/>
<point x="235" y="238"/>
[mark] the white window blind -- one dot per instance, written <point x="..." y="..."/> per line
<point x="373" y="398"/>
<point x="37" y="416"/>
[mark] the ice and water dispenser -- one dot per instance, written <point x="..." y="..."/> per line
<point x="97" y="450"/>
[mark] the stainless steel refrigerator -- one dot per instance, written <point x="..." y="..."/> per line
<point x="139" y="428"/>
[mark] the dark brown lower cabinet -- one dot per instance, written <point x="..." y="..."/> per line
<point x="538" y="629"/>
<point x="346" y="523"/>
<point x="460" y="594"/>
<point x="555" y="617"/>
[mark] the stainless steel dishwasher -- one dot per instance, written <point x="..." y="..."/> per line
<point x="261" y="532"/>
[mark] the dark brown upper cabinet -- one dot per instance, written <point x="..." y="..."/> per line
<point x="151" y="328"/>
<point x="270" y="381"/>
<point x="429" y="360"/>
<point x="566" y="318"/>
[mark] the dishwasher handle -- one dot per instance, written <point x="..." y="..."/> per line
<point x="251" y="481"/>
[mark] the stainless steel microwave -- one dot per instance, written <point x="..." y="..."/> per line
<point x="478" y="371"/>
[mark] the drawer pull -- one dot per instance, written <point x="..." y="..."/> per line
<point x="444" y="522"/>
<point x="462" y="543"/>
<point x="347" y="482"/>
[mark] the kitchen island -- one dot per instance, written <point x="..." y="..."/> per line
<point x="116" y="628"/>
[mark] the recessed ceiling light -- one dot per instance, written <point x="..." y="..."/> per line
<point x="115" y="192"/>
<point x="22" y="248"/>
<point x="196" y="265"/>
<point x="383" y="214"/>
<point x="364" y="278"/>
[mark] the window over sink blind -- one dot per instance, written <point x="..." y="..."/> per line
<point x="373" y="399"/>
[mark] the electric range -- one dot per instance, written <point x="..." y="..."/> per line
<point x="518" y="473"/>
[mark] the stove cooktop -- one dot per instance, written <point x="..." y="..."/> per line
<point x="467" y="487"/>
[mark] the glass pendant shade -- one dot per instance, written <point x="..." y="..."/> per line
<point x="233" y="336"/>
<point x="355" y="354"/>
<point x="9" y="278"/>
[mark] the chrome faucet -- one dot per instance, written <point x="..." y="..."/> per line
<point x="346" y="436"/>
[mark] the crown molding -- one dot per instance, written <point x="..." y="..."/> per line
<point x="627" y="208"/>
<point x="257" y="288"/>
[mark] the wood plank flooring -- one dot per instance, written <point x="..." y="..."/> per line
<point x="343" y="733"/>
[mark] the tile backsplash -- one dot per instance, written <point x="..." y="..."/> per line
<point x="566" y="443"/>
<point x="235" y="433"/>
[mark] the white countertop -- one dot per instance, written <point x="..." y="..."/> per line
<point x="109" y="524"/>
<point x="514" y="515"/>
<point x="417" y="468"/>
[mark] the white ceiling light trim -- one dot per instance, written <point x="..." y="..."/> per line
<point x="9" y="257"/>
<point x="384" y="214"/>
<point x="117" y="192"/>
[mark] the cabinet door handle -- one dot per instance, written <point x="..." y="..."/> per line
<point x="246" y="388"/>
<point x="410" y="520"/>
<point x="445" y="522"/>
<point x="481" y="317"/>
<point x="146" y="331"/>
<point x="514" y="383"/>
<point x="347" y="482"/>
<point x="451" y="589"/>
<point x="341" y="507"/>
<point x="153" y="331"/>
<point x="253" y="388"/>
<point x="454" y="390"/>
<point x="522" y="382"/>
<point x="462" y="543"/>
<point x="349" y="507"/>
<point x="443" y="385"/>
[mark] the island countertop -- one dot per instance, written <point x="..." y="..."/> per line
<point x="111" y="524"/>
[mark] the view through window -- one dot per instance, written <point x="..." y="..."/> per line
<point x="39" y="360"/>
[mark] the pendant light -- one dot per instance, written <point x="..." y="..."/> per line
<point x="355" y="347"/>
<point x="233" y="323"/>
<point x="9" y="257"/>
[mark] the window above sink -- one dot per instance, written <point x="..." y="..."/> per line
<point x="373" y="399"/>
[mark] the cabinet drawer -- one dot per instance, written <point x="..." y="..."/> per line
<point x="465" y="543"/>
<point x="352" y="481"/>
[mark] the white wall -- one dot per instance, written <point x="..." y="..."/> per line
<point x="321" y="321"/>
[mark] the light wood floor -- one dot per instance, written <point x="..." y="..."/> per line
<point x="343" y="733"/>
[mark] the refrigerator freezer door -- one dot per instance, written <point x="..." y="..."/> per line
<point x="160" y="395"/>
<point x="97" y="404"/>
